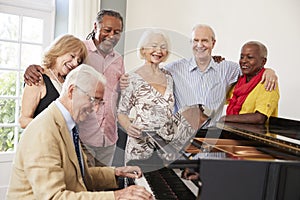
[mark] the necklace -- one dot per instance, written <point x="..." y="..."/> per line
<point x="56" y="79"/>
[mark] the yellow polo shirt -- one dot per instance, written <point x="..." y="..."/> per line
<point x="265" y="102"/>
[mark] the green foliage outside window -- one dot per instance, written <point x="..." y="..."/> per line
<point x="22" y="38"/>
<point x="6" y="139"/>
<point x="7" y="111"/>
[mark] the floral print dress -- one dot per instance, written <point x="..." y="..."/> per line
<point x="153" y="111"/>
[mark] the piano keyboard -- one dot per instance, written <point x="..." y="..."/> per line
<point x="143" y="182"/>
<point x="166" y="185"/>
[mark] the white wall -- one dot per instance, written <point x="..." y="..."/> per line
<point x="276" y="23"/>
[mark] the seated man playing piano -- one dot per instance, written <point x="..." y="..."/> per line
<point x="249" y="101"/>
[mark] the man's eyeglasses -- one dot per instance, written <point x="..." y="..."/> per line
<point x="93" y="100"/>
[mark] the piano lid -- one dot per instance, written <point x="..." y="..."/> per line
<point x="186" y="122"/>
<point x="280" y="133"/>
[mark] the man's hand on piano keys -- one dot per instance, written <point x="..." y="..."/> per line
<point x="128" y="171"/>
<point x="190" y="174"/>
<point x="133" y="192"/>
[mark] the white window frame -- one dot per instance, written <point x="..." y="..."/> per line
<point x="43" y="9"/>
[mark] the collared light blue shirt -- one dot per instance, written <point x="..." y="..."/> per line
<point x="209" y="88"/>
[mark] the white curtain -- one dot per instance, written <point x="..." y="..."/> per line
<point x="82" y="15"/>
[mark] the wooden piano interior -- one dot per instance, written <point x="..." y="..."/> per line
<point x="237" y="162"/>
<point x="244" y="161"/>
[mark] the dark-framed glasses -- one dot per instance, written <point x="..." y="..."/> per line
<point x="93" y="100"/>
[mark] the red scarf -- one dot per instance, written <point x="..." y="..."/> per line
<point x="241" y="91"/>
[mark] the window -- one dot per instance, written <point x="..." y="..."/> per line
<point x="24" y="34"/>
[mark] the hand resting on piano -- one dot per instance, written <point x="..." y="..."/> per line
<point x="143" y="182"/>
<point x="133" y="191"/>
<point x="190" y="174"/>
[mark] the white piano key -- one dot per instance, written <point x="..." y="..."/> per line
<point x="143" y="182"/>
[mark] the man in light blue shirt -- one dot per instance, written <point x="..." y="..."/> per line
<point x="208" y="87"/>
<point x="201" y="80"/>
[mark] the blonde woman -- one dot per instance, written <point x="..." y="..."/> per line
<point x="62" y="56"/>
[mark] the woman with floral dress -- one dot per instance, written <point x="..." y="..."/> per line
<point x="149" y="95"/>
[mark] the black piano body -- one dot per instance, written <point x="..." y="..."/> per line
<point x="261" y="162"/>
<point x="246" y="179"/>
<point x="271" y="173"/>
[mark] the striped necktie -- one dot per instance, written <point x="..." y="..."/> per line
<point x="77" y="149"/>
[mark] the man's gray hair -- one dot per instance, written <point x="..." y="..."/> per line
<point x="205" y="26"/>
<point x="83" y="76"/>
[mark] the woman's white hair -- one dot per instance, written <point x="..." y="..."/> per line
<point x="146" y="37"/>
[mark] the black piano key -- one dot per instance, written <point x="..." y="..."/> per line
<point x="167" y="185"/>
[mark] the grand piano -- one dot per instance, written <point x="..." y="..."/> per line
<point x="237" y="161"/>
